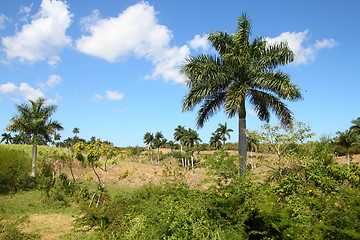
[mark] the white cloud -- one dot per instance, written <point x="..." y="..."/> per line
<point x="123" y="109"/>
<point x="97" y="97"/>
<point x="135" y="32"/>
<point x="114" y="95"/>
<point x="44" y="37"/>
<point x="7" y="88"/>
<point x="30" y="93"/>
<point x="53" y="81"/>
<point x="25" y="12"/>
<point x="200" y="42"/>
<point x="54" y="101"/>
<point x="252" y="112"/>
<point x="296" y="41"/>
<point x="3" y="20"/>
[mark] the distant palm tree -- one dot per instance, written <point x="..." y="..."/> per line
<point x="356" y="126"/>
<point x="346" y="139"/>
<point x="215" y="140"/>
<point x="7" y="138"/>
<point x="171" y="145"/>
<point x="241" y="71"/>
<point x="190" y="139"/>
<point x="179" y="134"/>
<point x="148" y="140"/>
<point x="57" y="137"/>
<point x="34" y="119"/>
<point x="159" y="141"/>
<point x="224" y="132"/>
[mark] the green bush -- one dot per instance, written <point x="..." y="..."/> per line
<point x="14" y="169"/>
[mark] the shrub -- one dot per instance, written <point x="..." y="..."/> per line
<point x="14" y="169"/>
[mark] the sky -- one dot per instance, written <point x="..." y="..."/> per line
<point x="112" y="66"/>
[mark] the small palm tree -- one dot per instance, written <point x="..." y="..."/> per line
<point x="171" y="145"/>
<point x="75" y="132"/>
<point x="159" y="141"/>
<point x="190" y="139"/>
<point x="223" y="132"/>
<point x="148" y="140"/>
<point x="34" y="119"/>
<point x="346" y="139"/>
<point x="215" y="140"/>
<point x="356" y="126"/>
<point x="179" y="134"/>
<point x="241" y="71"/>
<point x="7" y="138"/>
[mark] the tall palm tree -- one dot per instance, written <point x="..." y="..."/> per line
<point x="34" y="119"/>
<point x="148" y="140"/>
<point x="75" y="132"/>
<point x="190" y="139"/>
<point x="7" y="138"/>
<point x="215" y="140"/>
<point x="224" y="132"/>
<point x="241" y="71"/>
<point x="179" y="134"/>
<point x="346" y="139"/>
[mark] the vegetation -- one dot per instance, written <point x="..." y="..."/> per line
<point x="34" y="119"/>
<point x="241" y="70"/>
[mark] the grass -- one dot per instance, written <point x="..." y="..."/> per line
<point x="27" y="213"/>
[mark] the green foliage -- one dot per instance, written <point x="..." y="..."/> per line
<point x="14" y="169"/>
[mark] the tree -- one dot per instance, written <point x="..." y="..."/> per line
<point x="179" y="135"/>
<point x="223" y="132"/>
<point x="148" y="140"/>
<point x="346" y="139"/>
<point x="7" y="138"/>
<point x="190" y="139"/>
<point x="241" y="71"/>
<point x="356" y="126"/>
<point x="215" y="140"/>
<point x="252" y="142"/>
<point x="171" y="145"/>
<point x="76" y="131"/>
<point x="34" y="119"/>
<point x="159" y="141"/>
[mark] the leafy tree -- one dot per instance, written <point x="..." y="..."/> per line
<point x="179" y="134"/>
<point x="148" y="140"/>
<point x="76" y="131"/>
<point x="34" y="119"/>
<point x="241" y="71"/>
<point x="22" y="138"/>
<point x="215" y="140"/>
<point x="171" y="145"/>
<point x="223" y="132"/>
<point x="346" y="139"/>
<point x="280" y="140"/>
<point x="7" y="138"/>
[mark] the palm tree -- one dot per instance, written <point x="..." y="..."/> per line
<point x="7" y="138"/>
<point x="148" y="140"/>
<point x="34" y="119"/>
<point x="179" y="135"/>
<point x="356" y="126"/>
<point x="190" y="139"/>
<point x="346" y="139"/>
<point x="215" y="140"/>
<point x="171" y="145"/>
<point x="241" y="71"/>
<point x="223" y="132"/>
<point x="57" y="137"/>
<point x="158" y="142"/>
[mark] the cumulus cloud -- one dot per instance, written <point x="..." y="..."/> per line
<point x="7" y="88"/>
<point x="54" y="100"/>
<point x="24" y="12"/>
<point x="296" y="41"/>
<point x="3" y="20"/>
<point x="200" y="42"/>
<point x="109" y="95"/>
<point x="30" y="93"/>
<point x="114" y="95"/>
<point x="44" y="37"/>
<point x="53" y="81"/>
<point x="134" y="32"/>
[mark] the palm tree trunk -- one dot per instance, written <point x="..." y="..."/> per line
<point x="242" y="143"/>
<point x="224" y="144"/>
<point x="34" y="153"/>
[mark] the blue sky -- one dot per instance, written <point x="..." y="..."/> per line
<point x="111" y="66"/>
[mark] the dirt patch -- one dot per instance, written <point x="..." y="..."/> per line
<point x="49" y="226"/>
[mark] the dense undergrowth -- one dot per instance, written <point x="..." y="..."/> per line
<point x="316" y="199"/>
